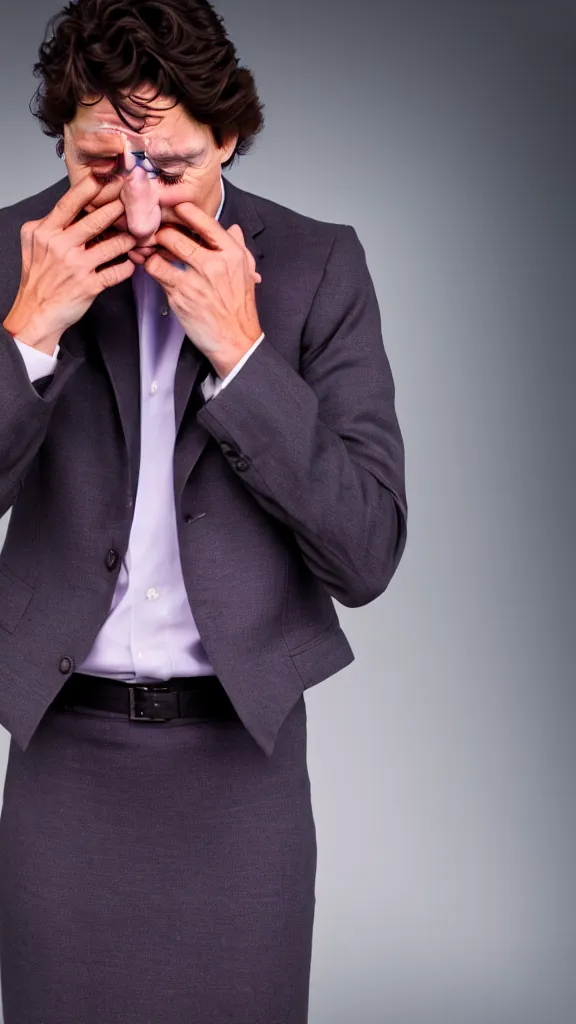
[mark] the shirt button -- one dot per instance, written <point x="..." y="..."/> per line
<point x="152" y="594"/>
<point x="154" y="387"/>
<point x="165" y="310"/>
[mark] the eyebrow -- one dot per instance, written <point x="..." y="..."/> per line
<point x="185" y="155"/>
<point x="169" y="158"/>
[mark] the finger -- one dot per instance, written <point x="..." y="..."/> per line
<point x="251" y="261"/>
<point x="236" y="232"/>
<point x="109" y="250"/>
<point x="70" y="205"/>
<point x="110" y="191"/>
<point x="182" y="247"/>
<point x="96" y="222"/>
<point x="110" y="276"/>
<point x="208" y="227"/>
<point x="167" y="255"/>
<point x="137" y="258"/>
<point x="162" y="270"/>
<point x="26" y="239"/>
<point x="186" y="232"/>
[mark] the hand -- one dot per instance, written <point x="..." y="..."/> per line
<point x="214" y="298"/>
<point x="60" y="259"/>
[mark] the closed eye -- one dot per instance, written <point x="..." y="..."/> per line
<point x="163" y="177"/>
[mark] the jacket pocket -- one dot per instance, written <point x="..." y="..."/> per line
<point x="15" y="596"/>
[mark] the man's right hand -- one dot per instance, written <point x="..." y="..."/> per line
<point x="59" y="279"/>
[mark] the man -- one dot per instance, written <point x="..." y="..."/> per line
<point x="200" y="449"/>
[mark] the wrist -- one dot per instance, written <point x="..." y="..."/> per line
<point x="222" y="366"/>
<point x="32" y="336"/>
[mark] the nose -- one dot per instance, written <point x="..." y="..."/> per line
<point x="141" y="205"/>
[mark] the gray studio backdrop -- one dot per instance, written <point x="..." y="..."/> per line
<point x="442" y="761"/>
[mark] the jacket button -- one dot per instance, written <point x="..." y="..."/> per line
<point x="229" y="451"/>
<point x="65" y="665"/>
<point x="111" y="559"/>
<point x="242" y="464"/>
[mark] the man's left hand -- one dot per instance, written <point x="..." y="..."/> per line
<point x="214" y="299"/>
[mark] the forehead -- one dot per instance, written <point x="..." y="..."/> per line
<point x="160" y="119"/>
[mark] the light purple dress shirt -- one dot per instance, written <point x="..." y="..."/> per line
<point x="150" y="633"/>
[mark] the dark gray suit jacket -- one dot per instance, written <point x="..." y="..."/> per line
<point x="289" y="484"/>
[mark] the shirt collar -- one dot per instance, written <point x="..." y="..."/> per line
<point x="223" y="198"/>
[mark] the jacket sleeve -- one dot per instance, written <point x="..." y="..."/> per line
<point x="321" y="448"/>
<point x="25" y="411"/>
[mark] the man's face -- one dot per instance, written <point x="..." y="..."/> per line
<point x="172" y="160"/>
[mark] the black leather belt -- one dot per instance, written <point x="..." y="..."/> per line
<point x="200" y="697"/>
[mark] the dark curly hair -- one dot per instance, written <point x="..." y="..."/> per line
<point x="111" y="47"/>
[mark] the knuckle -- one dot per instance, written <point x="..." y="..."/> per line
<point x="122" y="244"/>
<point x="61" y="206"/>
<point x="71" y="258"/>
<point x="94" y="285"/>
<point x="54" y="244"/>
<point x="110" y="276"/>
<point x="105" y="278"/>
<point x="41" y="235"/>
<point x="186" y="249"/>
<point x="27" y="228"/>
<point x="101" y="218"/>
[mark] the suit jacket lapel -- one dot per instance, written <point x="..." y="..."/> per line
<point x="113" y="323"/>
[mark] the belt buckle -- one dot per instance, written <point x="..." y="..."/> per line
<point x="167" y="700"/>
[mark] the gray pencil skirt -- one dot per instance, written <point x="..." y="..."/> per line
<point x="156" y="873"/>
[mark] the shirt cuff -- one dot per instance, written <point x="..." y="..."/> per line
<point x="219" y="383"/>
<point x="38" y="364"/>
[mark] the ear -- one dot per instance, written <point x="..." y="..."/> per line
<point x="228" y="148"/>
